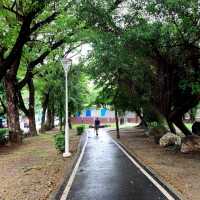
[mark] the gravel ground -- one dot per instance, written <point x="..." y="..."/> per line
<point x="33" y="170"/>
<point x="181" y="171"/>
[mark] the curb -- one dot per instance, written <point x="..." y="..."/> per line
<point x="169" y="188"/>
<point x="60" y="189"/>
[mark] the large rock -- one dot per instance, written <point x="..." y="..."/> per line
<point x="191" y="144"/>
<point x="170" y="139"/>
<point x="157" y="133"/>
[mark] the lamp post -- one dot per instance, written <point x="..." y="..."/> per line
<point x="66" y="65"/>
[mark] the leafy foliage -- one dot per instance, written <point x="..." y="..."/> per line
<point x="80" y="130"/>
<point x="146" y="58"/>
<point x="60" y="141"/>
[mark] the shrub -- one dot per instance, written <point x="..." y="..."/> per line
<point x="3" y="136"/>
<point x="60" y="141"/>
<point x="107" y="125"/>
<point x="80" y="130"/>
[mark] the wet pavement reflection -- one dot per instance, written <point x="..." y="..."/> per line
<point x="105" y="173"/>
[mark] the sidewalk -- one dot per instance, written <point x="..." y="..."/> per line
<point x="106" y="173"/>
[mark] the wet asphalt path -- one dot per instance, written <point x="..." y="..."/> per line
<point x="106" y="173"/>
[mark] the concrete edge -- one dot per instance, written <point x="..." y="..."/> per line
<point x="56" y="195"/>
<point x="152" y="172"/>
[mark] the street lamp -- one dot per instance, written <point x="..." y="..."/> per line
<point x="66" y="65"/>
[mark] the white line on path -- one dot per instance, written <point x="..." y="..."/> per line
<point x="71" y="179"/>
<point x="169" y="197"/>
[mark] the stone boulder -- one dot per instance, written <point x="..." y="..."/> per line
<point x="191" y="144"/>
<point x="170" y="139"/>
<point x="157" y="133"/>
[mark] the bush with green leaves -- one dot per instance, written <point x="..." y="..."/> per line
<point x="80" y="130"/>
<point x="3" y="136"/>
<point x="60" y="141"/>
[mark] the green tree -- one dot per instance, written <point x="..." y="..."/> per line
<point x="152" y="51"/>
<point x="34" y="31"/>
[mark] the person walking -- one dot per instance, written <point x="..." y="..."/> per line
<point x="96" y="125"/>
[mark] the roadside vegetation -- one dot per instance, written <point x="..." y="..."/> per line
<point x="144" y="58"/>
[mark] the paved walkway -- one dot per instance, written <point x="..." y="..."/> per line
<point x="106" y="173"/>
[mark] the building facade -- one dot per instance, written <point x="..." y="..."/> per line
<point x="106" y="116"/>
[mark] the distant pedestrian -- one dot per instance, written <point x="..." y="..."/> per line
<point x="96" y="125"/>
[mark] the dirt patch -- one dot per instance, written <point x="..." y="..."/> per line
<point x="32" y="171"/>
<point x="179" y="170"/>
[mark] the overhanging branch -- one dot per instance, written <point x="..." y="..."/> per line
<point x="48" y="20"/>
<point x="39" y="60"/>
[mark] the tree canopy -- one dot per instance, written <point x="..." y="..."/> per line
<point x="144" y="57"/>
<point x="149" y="52"/>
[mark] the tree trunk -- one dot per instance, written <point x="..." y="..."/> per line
<point x="31" y="116"/>
<point x="117" y="123"/>
<point x="179" y="111"/>
<point x="32" y="124"/>
<point x="43" y="116"/>
<point x="44" y="109"/>
<point x="69" y="121"/>
<point x="4" y="108"/>
<point x="15" y="132"/>
<point x="60" y="118"/>
<point x="49" y="119"/>
<point x="179" y="123"/>
<point x="61" y="122"/>
<point x="51" y="115"/>
<point x="143" y="123"/>
<point x="192" y="114"/>
<point x="171" y="126"/>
